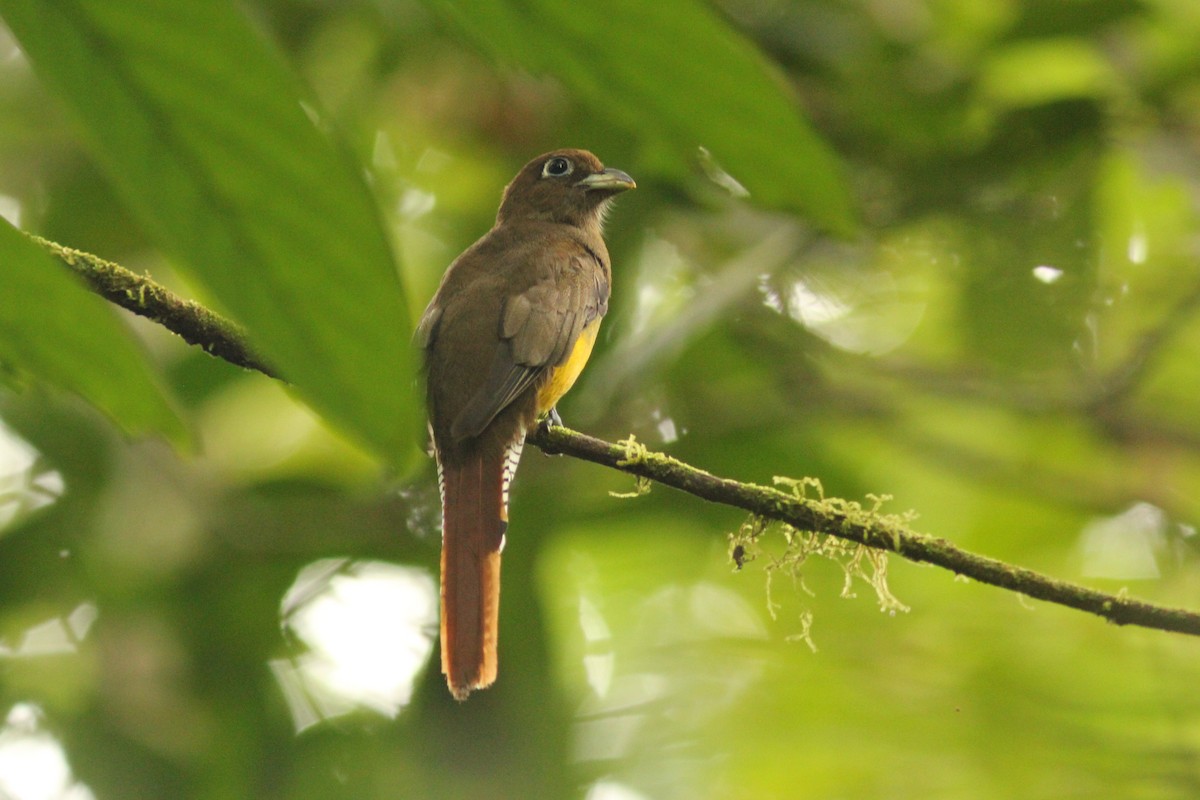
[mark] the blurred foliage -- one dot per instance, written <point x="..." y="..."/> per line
<point x="200" y="145"/>
<point x="1005" y="344"/>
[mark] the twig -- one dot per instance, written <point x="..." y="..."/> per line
<point x="223" y="339"/>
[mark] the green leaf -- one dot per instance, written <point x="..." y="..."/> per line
<point x="672" y="70"/>
<point x="52" y="328"/>
<point x="203" y="130"/>
<point x="1047" y="71"/>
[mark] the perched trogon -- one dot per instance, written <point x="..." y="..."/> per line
<point x="507" y="333"/>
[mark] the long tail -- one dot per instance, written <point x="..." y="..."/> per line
<point x="474" y="520"/>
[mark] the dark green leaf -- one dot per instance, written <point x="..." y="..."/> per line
<point x="674" y="72"/>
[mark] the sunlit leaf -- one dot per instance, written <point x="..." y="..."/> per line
<point x="674" y="72"/>
<point x="1048" y="71"/>
<point x="53" y="329"/>
<point x="1033" y="73"/>
<point x="203" y="131"/>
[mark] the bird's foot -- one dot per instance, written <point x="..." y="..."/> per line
<point x="550" y="420"/>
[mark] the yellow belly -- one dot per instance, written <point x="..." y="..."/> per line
<point x="563" y="377"/>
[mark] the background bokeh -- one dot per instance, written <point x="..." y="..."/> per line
<point x="982" y="299"/>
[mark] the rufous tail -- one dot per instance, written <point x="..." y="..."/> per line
<point x="473" y="526"/>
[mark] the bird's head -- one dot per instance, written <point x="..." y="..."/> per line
<point x="567" y="186"/>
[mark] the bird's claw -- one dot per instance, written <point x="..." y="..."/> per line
<point x="552" y="419"/>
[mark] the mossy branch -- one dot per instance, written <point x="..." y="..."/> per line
<point x="191" y="321"/>
<point x="223" y="339"/>
<point x="863" y="526"/>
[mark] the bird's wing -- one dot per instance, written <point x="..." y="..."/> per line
<point x="538" y="330"/>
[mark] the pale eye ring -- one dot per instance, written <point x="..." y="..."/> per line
<point x="557" y="167"/>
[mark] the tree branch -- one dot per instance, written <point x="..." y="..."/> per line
<point x="194" y="323"/>
<point x="222" y="338"/>
<point x="861" y="526"/>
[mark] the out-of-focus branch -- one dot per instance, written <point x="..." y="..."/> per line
<point x="1101" y="395"/>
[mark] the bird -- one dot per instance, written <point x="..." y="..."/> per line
<point x="506" y="335"/>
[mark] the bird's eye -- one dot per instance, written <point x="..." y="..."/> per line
<point x="557" y="167"/>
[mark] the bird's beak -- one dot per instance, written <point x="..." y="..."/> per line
<point x="611" y="180"/>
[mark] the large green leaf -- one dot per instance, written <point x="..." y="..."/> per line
<point x="673" y="71"/>
<point x="201" y="127"/>
<point x="51" y="327"/>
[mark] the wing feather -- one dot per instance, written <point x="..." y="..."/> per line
<point x="538" y="330"/>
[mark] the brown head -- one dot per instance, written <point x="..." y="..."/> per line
<point x="567" y="186"/>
